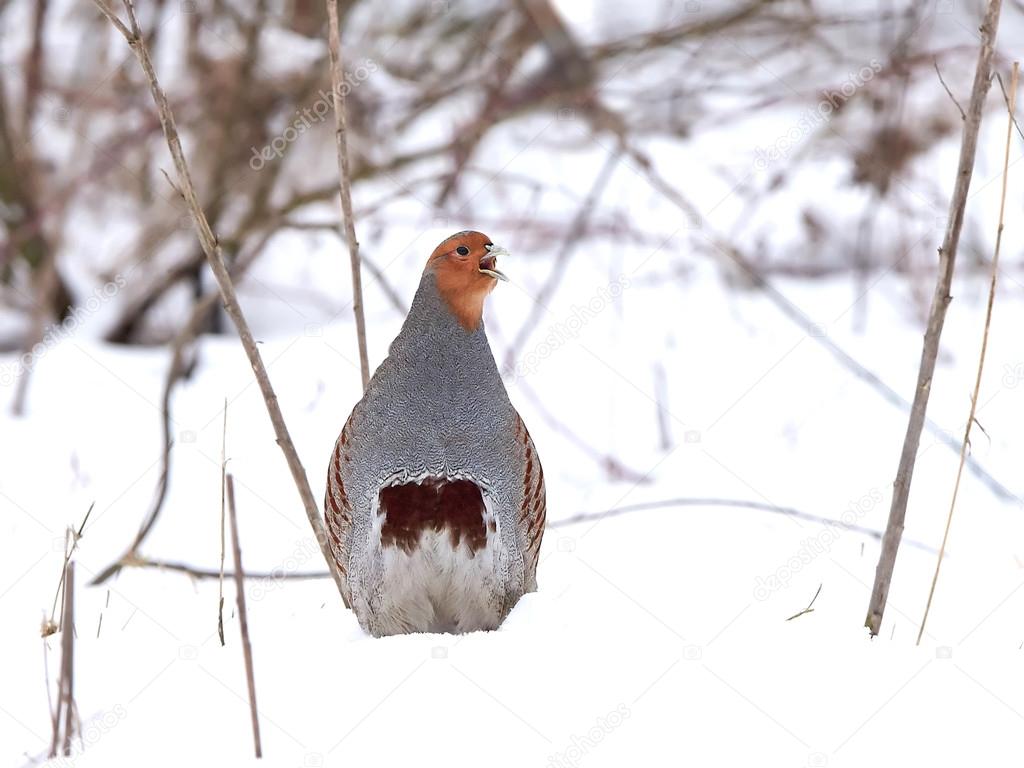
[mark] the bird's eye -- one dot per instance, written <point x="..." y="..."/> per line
<point x="462" y="250"/>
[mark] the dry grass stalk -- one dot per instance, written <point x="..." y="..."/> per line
<point x="215" y="257"/>
<point x="338" y="90"/>
<point x="64" y="713"/>
<point x="964" y="447"/>
<point x="72" y="538"/>
<point x="936" y="319"/>
<point x="243" y="617"/>
<point x="223" y="487"/>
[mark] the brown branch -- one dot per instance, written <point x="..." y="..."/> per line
<point x="47" y="284"/>
<point x="66" y="688"/>
<point x="572" y="239"/>
<point x="68" y="654"/>
<point x="197" y="572"/>
<point x="468" y="137"/>
<point x="615" y="469"/>
<point x="936" y="318"/>
<point x="212" y="251"/>
<point x="243" y="618"/>
<point x="984" y="347"/>
<point x="963" y="115"/>
<point x="34" y="66"/>
<point x="760" y="506"/>
<point x="338" y="91"/>
<point x="72" y="538"/>
<point x="809" y="608"/>
<point x="54" y="711"/>
<point x="1006" y="100"/>
<point x="792" y="312"/>
<point x="177" y="370"/>
<point x="223" y="494"/>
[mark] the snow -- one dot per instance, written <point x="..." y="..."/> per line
<point x="658" y="636"/>
<point x="655" y="635"/>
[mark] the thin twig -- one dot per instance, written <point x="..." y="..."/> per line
<point x="197" y="572"/>
<point x="46" y="279"/>
<point x="1006" y="100"/>
<point x="809" y="608"/>
<point x="611" y="464"/>
<point x="344" y="181"/>
<point x="243" y="618"/>
<point x="984" y="348"/>
<point x="587" y="517"/>
<point x="68" y="654"/>
<point x="793" y="313"/>
<point x="661" y="410"/>
<point x="223" y="487"/>
<point x="936" y="319"/>
<point x="50" y="626"/>
<point x="573" y="238"/>
<point x="963" y="115"/>
<point x="214" y="256"/>
<point x="178" y="369"/>
<point x="99" y="624"/>
<point x="34" y="66"/>
<point x="54" y="711"/>
<point x="66" y="687"/>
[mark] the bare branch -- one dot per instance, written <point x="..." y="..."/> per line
<point x="196" y="572"/>
<point x="984" y="347"/>
<point x="344" y="179"/>
<point x="936" y="318"/>
<point x="572" y="239"/>
<point x="212" y="251"/>
<point x="175" y="372"/>
<point x="1006" y="100"/>
<point x="65" y="697"/>
<point x="792" y="312"/>
<point x="71" y="544"/>
<point x="963" y="115"/>
<point x="68" y="654"/>
<point x="586" y="517"/>
<point x="243" y="617"/>
<point x="809" y="608"/>
<point x="223" y="495"/>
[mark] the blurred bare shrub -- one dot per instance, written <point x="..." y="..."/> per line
<point x="429" y="83"/>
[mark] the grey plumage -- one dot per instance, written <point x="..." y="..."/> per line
<point x="436" y="407"/>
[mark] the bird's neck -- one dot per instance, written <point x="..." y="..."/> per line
<point x="434" y="322"/>
<point x="438" y="363"/>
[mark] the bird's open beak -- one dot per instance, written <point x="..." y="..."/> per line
<point x="488" y="264"/>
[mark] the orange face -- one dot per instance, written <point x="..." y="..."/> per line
<point x="465" y="266"/>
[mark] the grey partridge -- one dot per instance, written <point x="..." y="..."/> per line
<point x="435" y="503"/>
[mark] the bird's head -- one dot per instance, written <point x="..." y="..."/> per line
<point x="465" y="267"/>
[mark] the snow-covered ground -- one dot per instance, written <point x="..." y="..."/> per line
<point x="656" y="637"/>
